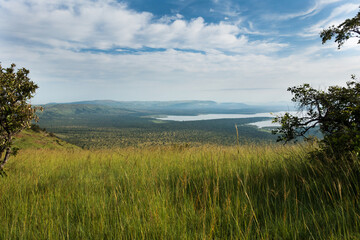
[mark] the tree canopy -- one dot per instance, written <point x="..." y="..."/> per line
<point x="349" y="28"/>
<point x="16" y="113"/>
<point x="336" y="112"/>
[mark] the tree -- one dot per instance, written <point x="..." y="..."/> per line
<point x="336" y="111"/>
<point x="349" y="28"/>
<point x="16" y="113"/>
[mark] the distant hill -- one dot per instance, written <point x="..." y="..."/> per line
<point x="82" y="108"/>
<point x="192" y="107"/>
<point x="159" y="105"/>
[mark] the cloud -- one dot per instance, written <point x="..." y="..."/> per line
<point x="171" y="74"/>
<point x="168" y="19"/>
<point x="107" y="24"/>
<point x="336" y="17"/>
<point x="72" y="24"/>
<point x="248" y="89"/>
<point x="317" y="6"/>
<point x="66" y="46"/>
<point x="196" y="34"/>
<point x="228" y="10"/>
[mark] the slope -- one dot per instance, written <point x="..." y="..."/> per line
<point x="36" y="138"/>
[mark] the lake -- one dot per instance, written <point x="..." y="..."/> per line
<point x="260" y="124"/>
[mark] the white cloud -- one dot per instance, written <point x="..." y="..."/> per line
<point x="336" y="17"/>
<point x="106" y="24"/>
<point x="170" y="75"/>
<point x="232" y="60"/>
<point x="196" y="34"/>
<point x="229" y="10"/>
<point x="168" y="19"/>
<point x="317" y="6"/>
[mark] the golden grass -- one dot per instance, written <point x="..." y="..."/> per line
<point x="176" y="192"/>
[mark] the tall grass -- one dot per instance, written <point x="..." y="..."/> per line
<point x="209" y="192"/>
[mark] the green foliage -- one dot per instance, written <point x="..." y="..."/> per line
<point x="15" y="111"/>
<point x="349" y="28"/>
<point x="335" y="111"/>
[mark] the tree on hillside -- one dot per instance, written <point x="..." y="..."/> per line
<point x="349" y="28"/>
<point x="16" y="113"/>
<point x="336" y="111"/>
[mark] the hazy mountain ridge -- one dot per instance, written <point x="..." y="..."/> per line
<point x="189" y="107"/>
<point x="58" y="109"/>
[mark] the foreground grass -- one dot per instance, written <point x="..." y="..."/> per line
<point x="209" y="192"/>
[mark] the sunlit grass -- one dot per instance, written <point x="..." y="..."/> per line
<point x="178" y="192"/>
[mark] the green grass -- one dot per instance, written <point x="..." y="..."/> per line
<point x="178" y="192"/>
<point x="29" y="139"/>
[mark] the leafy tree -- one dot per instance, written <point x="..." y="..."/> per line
<point x="349" y="28"/>
<point x="16" y="113"/>
<point x="336" y="112"/>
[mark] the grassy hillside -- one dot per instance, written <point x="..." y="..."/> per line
<point x="40" y="139"/>
<point x="207" y="192"/>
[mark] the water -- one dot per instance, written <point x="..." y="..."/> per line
<point x="260" y="124"/>
<point x="266" y="123"/>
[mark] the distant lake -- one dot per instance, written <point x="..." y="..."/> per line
<point x="266" y="123"/>
<point x="200" y="117"/>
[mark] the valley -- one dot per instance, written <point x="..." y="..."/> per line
<point x="106" y="124"/>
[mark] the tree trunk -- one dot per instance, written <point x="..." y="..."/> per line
<point x="7" y="154"/>
<point x="6" y="158"/>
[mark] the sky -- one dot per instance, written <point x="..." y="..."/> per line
<point x="246" y="51"/>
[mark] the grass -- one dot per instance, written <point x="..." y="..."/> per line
<point x="29" y="139"/>
<point x="177" y="192"/>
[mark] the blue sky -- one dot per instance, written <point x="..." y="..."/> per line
<point x="222" y="50"/>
